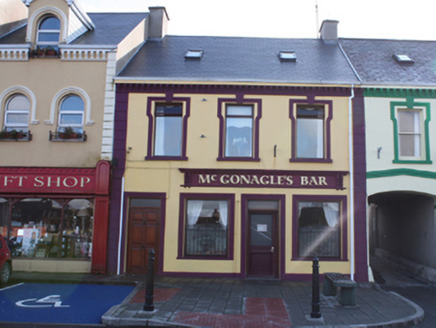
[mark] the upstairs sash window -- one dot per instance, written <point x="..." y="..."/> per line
<point x="17" y="114"/>
<point x="310" y="132"/>
<point x="169" y="128"/>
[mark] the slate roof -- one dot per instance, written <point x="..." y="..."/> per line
<point x="374" y="62"/>
<point x="110" y="29"/>
<point x="240" y="59"/>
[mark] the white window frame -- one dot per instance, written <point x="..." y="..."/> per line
<point x="61" y="126"/>
<point x="16" y="126"/>
<point x="320" y="137"/>
<point x="238" y="117"/>
<point x="418" y="131"/>
<point x="40" y="31"/>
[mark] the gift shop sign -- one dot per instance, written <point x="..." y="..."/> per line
<point x="55" y="180"/>
<point x="263" y="179"/>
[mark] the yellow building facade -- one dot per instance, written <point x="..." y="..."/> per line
<point x="237" y="185"/>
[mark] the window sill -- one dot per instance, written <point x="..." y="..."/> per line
<point x="410" y="161"/>
<point x="166" y="158"/>
<point x="310" y="160"/>
<point x="237" y="159"/>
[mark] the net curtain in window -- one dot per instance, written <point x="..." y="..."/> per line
<point x="195" y="207"/>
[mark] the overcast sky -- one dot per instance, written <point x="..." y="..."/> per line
<point x="381" y="19"/>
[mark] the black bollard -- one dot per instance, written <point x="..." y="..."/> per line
<point x="149" y="283"/>
<point x="316" y="313"/>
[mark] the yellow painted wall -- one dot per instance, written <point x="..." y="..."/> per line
<point x="275" y="129"/>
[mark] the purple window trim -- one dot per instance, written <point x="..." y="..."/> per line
<point x="311" y="101"/>
<point x="230" y="228"/>
<point x="222" y="103"/>
<point x="151" y="101"/>
<point x="344" y="226"/>
<point x="162" y="197"/>
<point x="281" y="198"/>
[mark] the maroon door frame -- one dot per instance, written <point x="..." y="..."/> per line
<point x="281" y="199"/>
<point x="262" y="260"/>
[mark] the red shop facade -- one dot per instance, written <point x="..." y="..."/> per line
<point x="56" y="219"/>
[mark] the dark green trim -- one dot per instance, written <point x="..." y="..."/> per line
<point x="399" y="93"/>
<point x="397" y="172"/>
<point x="411" y="104"/>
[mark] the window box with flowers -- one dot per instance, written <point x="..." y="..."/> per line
<point x="68" y="134"/>
<point x="14" y="135"/>
<point x="47" y="51"/>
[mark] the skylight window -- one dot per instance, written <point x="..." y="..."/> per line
<point x="403" y="59"/>
<point x="196" y="54"/>
<point x="288" y="56"/>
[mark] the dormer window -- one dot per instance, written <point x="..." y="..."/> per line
<point x="48" y="33"/>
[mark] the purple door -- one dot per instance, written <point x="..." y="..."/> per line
<point x="262" y="244"/>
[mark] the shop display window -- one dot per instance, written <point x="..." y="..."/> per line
<point x="319" y="229"/>
<point x="51" y="228"/>
<point x="207" y="223"/>
<point x="206" y="228"/>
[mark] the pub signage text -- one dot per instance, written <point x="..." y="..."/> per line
<point x="263" y="179"/>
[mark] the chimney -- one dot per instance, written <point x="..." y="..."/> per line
<point x="158" y="22"/>
<point x="329" y="31"/>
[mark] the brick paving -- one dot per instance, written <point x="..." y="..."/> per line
<point x="201" y="302"/>
<point x="262" y="303"/>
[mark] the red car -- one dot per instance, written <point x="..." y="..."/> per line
<point x="5" y="261"/>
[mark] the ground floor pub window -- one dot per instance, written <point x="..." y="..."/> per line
<point x="319" y="229"/>
<point x="206" y="227"/>
<point x="50" y="228"/>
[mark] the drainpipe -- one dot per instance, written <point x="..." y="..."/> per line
<point x="350" y="151"/>
<point x="121" y="226"/>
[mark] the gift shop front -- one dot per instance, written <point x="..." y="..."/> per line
<point x="56" y="218"/>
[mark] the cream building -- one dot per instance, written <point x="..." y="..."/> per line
<point x="57" y="103"/>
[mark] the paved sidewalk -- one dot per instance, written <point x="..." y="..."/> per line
<point x="201" y="302"/>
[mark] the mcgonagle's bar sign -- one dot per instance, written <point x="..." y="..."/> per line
<point x="263" y="179"/>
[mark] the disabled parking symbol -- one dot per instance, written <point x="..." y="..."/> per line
<point x="45" y="302"/>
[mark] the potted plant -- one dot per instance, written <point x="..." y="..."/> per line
<point x="4" y="134"/>
<point x="50" y="51"/>
<point x="16" y="134"/>
<point x="68" y="133"/>
<point x="40" y="52"/>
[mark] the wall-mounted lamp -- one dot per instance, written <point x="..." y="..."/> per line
<point x="204" y="99"/>
<point x="202" y="136"/>
<point x="378" y="152"/>
<point x="129" y="149"/>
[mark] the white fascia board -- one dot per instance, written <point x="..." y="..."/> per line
<point x="88" y="46"/>
<point x="82" y="15"/>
